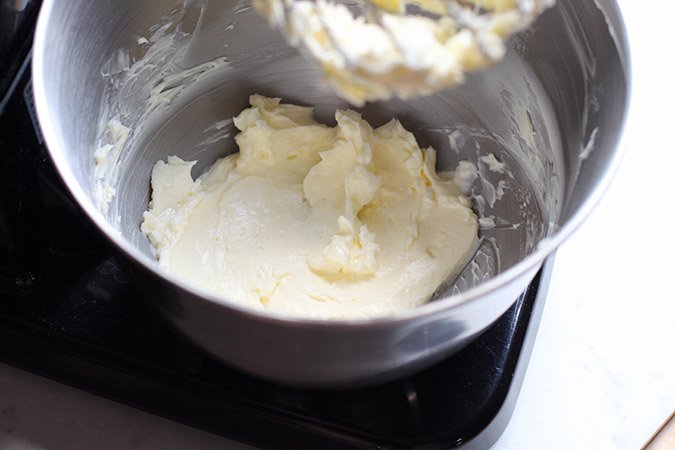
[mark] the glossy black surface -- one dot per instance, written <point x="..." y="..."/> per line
<point x="69" y="312"/>
<point x="17" y="18"/>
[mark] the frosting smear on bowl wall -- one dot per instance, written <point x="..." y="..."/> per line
<point x="313" y="221"/>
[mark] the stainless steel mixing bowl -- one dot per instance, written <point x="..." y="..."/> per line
<point x="175" y="72"/>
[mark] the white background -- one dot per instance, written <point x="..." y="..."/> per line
<point x="602" y="373"/>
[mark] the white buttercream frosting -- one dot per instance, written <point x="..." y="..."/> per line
<point x="313" y="221"/>
<point x="384" y="52"/>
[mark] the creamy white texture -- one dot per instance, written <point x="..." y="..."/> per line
<point x="385" y="52"/>
<point x="107" y="158"/>
<point x="310" y="220"/>
<point x="493" y="163"/>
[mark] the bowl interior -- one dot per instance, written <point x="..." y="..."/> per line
<point x="175" y="75"/>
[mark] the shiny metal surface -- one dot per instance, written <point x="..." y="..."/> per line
<point x="554" y="111"/>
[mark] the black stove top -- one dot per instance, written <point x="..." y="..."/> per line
<point x="68" y="312"/>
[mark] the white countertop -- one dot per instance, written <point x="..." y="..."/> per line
<point x="602" y="372"/>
